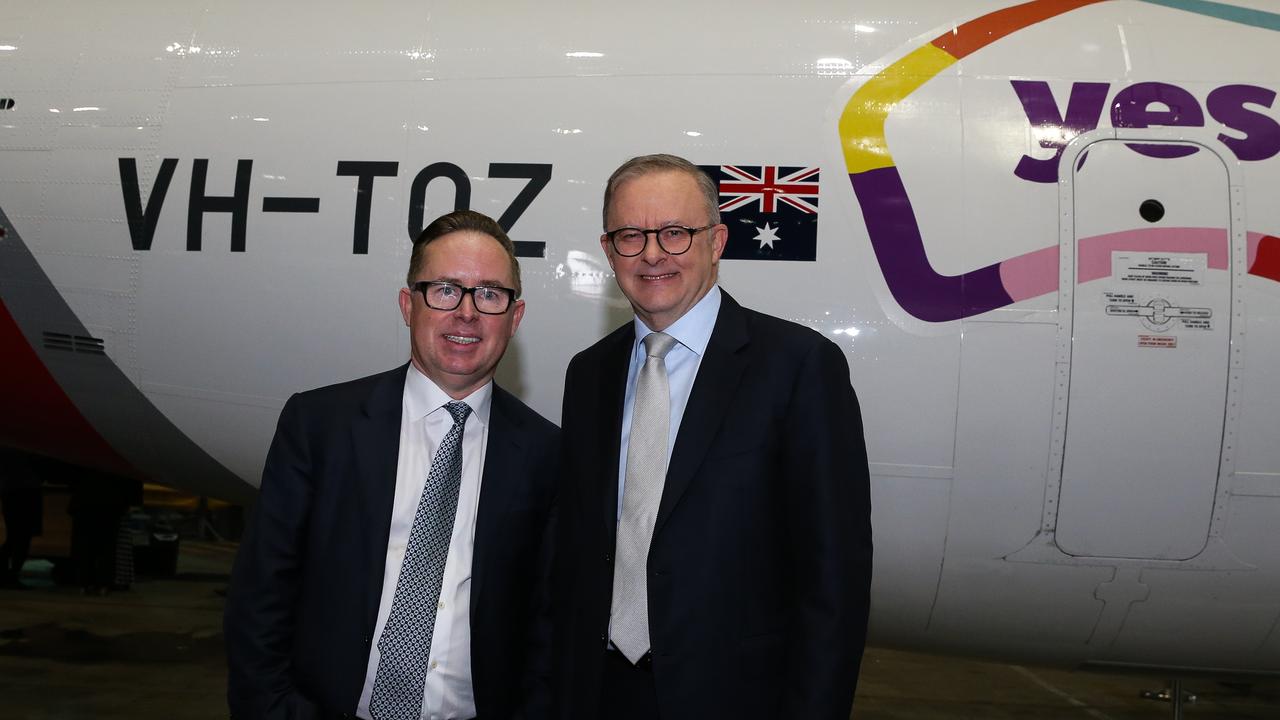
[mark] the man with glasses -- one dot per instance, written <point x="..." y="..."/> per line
<point x="714" y="540"/>
<point x="397" y="562"/>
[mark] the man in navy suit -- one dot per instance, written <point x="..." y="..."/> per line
<point x="727" y="574"/>
<point x="397" y="560"/>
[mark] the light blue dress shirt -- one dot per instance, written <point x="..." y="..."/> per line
<point x="692" y="333"/>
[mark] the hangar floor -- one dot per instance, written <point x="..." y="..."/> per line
<point x="156" y="652"/>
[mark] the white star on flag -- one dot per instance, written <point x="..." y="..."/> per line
<point x="767" y="235"/>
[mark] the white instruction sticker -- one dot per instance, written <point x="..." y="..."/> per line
<point x="1162" y="268"/>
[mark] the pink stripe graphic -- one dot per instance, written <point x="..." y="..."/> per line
<point x="1036" y="273"/>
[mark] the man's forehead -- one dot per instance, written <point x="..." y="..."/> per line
<point x="466" y="253"/>
<point x="678" y="191"/>
<point x="665" y="176"/>
<point x="465" y="245"/>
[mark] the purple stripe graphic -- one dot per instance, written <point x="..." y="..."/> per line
<point x="915" y="285"/>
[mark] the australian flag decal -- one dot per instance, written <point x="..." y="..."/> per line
<point x="771" y="210"/>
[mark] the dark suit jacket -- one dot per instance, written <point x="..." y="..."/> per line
<point x="307" y="582"/>
<point x="760" y="563"/>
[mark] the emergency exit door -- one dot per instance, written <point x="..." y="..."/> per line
<point x="1150" y="339"/>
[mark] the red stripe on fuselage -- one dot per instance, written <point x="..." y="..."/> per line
<point x="981" y="32"/>
<point x="1267" y="262"/>
<point x="38" y="416"/>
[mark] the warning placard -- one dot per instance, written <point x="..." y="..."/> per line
<point x="1159" y="268"/>
<point x="1158" y="341"/>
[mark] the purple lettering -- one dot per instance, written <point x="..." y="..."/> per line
<point x="1084" y="108"/>
<point x="1261" y="132"/>
<point x="1132" y="109"/>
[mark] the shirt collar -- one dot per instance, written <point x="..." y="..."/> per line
<point x="693" y="329"/>
<point x="423" y="397"/>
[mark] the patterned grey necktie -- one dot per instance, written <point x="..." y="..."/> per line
<point x="405" y="644"/>
<point x="646" y="474"/>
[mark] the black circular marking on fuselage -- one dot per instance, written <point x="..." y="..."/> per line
<point x="1151" y="210"/>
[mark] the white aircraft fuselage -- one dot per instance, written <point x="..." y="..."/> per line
<point x="1045" y="235"/>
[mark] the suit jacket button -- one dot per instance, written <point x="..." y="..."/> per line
<point x="608" y="557"/>
<point x="367" y="639"/>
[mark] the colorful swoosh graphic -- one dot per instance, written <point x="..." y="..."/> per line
<point x="886" y="207"/>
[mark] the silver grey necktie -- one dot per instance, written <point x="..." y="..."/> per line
<point x="646" y="473"/>
<point x="405" y="644"/>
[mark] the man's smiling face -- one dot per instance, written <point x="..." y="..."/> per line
<point x="459" y="349"/>
<point x="662" y="287"/>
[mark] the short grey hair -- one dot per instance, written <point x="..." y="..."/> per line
<point x="662" y="162"/>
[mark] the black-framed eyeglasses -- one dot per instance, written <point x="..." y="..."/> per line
<point x="441" y="295"/>
<point x="673" y="239"/>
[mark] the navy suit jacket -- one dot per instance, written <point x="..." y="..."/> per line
<point x="307" y="582"/>
<point x="760" y="563"/>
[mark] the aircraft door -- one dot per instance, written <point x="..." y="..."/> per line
<point x="1150" y="319"/>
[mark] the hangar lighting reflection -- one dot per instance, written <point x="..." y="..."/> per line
<point x="833" y="66"/>
<point x="588" y="276"/>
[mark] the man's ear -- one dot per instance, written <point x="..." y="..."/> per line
<point x="406" y="304"/>
<point x="607" y="248"/>
<point x="719" y="238"/>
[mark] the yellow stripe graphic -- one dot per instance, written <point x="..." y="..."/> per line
<point x="862" y="122"/>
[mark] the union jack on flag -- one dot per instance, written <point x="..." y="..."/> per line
<point x="771" y="210"/>
<point x="768" y="189"/>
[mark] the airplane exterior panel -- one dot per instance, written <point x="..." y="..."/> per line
<point x="1002" y="359"/>
<point x="1258" y="451"/>
<point x="297" y="263"/>
<point x="297" y="42"/>
<point x="1233" y="629"/>
<point x="909" y="554"/>
<point x="224" y="197"/>
<point x="1150" y="346"/>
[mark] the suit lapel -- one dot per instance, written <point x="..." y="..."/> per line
<point x="718" y="376"/>
<point x="375" y="438"/>
<point x="499" y="485"/>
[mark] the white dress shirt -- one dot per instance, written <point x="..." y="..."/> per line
<point x="423" y="424"/>
<point x="692" y="333"/>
